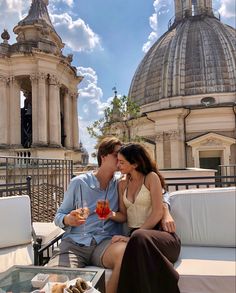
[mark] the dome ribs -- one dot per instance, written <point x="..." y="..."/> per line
<point x="196" y="57"/>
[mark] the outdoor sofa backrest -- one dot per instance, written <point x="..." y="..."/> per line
<point x="205" y="217"/>
<point x="15" y="221"/>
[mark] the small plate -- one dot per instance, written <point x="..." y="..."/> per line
<point x="39" y="280"/>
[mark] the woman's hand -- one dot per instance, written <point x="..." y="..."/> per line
<point x="167" y="222"/>
<point x="119" y="238"/>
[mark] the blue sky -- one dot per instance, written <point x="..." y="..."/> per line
<point x="108" y="39"/>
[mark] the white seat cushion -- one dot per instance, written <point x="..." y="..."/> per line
<point x="46" y="231"/>
<point x="16" y="255"/>
<point x="15" y="220"/>
<point x="206" y="270"/>
<point x="205" y="217"/>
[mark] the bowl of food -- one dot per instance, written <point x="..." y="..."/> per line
<point x="77" y="285"/>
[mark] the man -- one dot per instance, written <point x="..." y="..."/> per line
<point x="77" y="250"/>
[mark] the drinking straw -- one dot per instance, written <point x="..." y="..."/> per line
<point x="81" y="199"/>
<point x="106" y="192"/>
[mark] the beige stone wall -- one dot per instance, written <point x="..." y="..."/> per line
<point x="167" y="127"/>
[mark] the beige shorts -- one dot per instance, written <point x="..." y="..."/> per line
<point x="74" y="255"/>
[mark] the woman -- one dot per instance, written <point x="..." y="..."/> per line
<point x="147" y="265"/>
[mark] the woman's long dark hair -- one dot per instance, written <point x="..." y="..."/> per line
<point x="135" y="153"/>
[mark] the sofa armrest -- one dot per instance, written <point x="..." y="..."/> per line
<point x="42" y="253"/>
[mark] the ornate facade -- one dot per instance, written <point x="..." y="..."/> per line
<point x="35" y="71"/>
<point x="186" y="86"/>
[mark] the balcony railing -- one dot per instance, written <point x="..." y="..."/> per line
<point x="49" y="181"/>
<point x="177" y="183"/>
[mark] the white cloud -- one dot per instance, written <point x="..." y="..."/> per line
<point x="90" y="107"/>
<point x="227" y="8"/>
<point x="90" y="95"/>
<point x="15" y="10"/>
<point x="68" y="2"/>
<point x="76" y="34"/>
<point x="162" y="11"/>
<point x="54" y="5"/>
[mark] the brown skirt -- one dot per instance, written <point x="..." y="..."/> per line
<point x="147" y="265"/>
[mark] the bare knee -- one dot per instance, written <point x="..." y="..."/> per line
<point x="113" y="255"/>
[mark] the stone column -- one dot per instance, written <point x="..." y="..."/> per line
<point x="160" y="150"/>
<point x="15" y="113"/>
<point x="68" y="127"/>
<point x="177" y="151"/>
<point x="54" y="112"/>
<point x="39" y="110"/>
<point x="42" y="110"/>
<point x="75" y="121"/>
<point x="3" y="112"/>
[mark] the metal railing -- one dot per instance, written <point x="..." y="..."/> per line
<point x="194" y="11"/>
<point x="227" y="170"/>
<point x="178" y="183"/>
<point x="49" y="181"/>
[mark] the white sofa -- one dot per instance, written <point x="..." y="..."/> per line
<point x="205" y="220"/>
<point x="16" y="242"/>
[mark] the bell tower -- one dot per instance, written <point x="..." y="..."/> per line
<point x="185" y="8"/>
<point x="38" y="91"/>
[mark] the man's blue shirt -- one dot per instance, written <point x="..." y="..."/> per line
<point x="91" y="192"/>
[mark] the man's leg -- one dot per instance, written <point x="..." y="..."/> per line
<point x="71" y="254"/>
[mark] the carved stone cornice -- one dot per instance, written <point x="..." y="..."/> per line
<point x="4" y="80"/>
<point x="74" y="95"/>
<point x="212" y="142"/>
<point x="38" y="76"/>
<point x="53" y="80"/>
<point x="174" y="135"/>
<point x="159" y="137"/>
<point x="14" y="81"/>
<point x="42" y="76"/>
<point x="34" y="77"/>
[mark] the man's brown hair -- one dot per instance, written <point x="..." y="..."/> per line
<point x="106" y="147"/>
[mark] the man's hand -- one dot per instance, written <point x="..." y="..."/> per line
<point x="73" y="219"/>
<point x="119" y="238"/>
<point x="167" y="222"/>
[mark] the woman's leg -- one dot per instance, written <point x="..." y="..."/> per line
<point x="112" y="259"/>
<point x="147" y="263"/>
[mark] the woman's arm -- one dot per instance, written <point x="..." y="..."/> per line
<point x="153" y="183"/>
<point x="121" y="215"/>
<point x="167" y="222"/>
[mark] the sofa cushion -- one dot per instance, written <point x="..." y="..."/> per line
<point x="206" y="270"/>
<point x="15" y="220"/>
<point x="16" y="255"/>
<point x="205" y="217"/>
<point x="46" y="231"/>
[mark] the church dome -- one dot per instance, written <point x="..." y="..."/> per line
<point x="196" y="56"/>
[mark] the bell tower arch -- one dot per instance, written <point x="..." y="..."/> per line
<point x="35" y="70"/>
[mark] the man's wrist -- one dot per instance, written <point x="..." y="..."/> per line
<point x="64" y="221"/>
